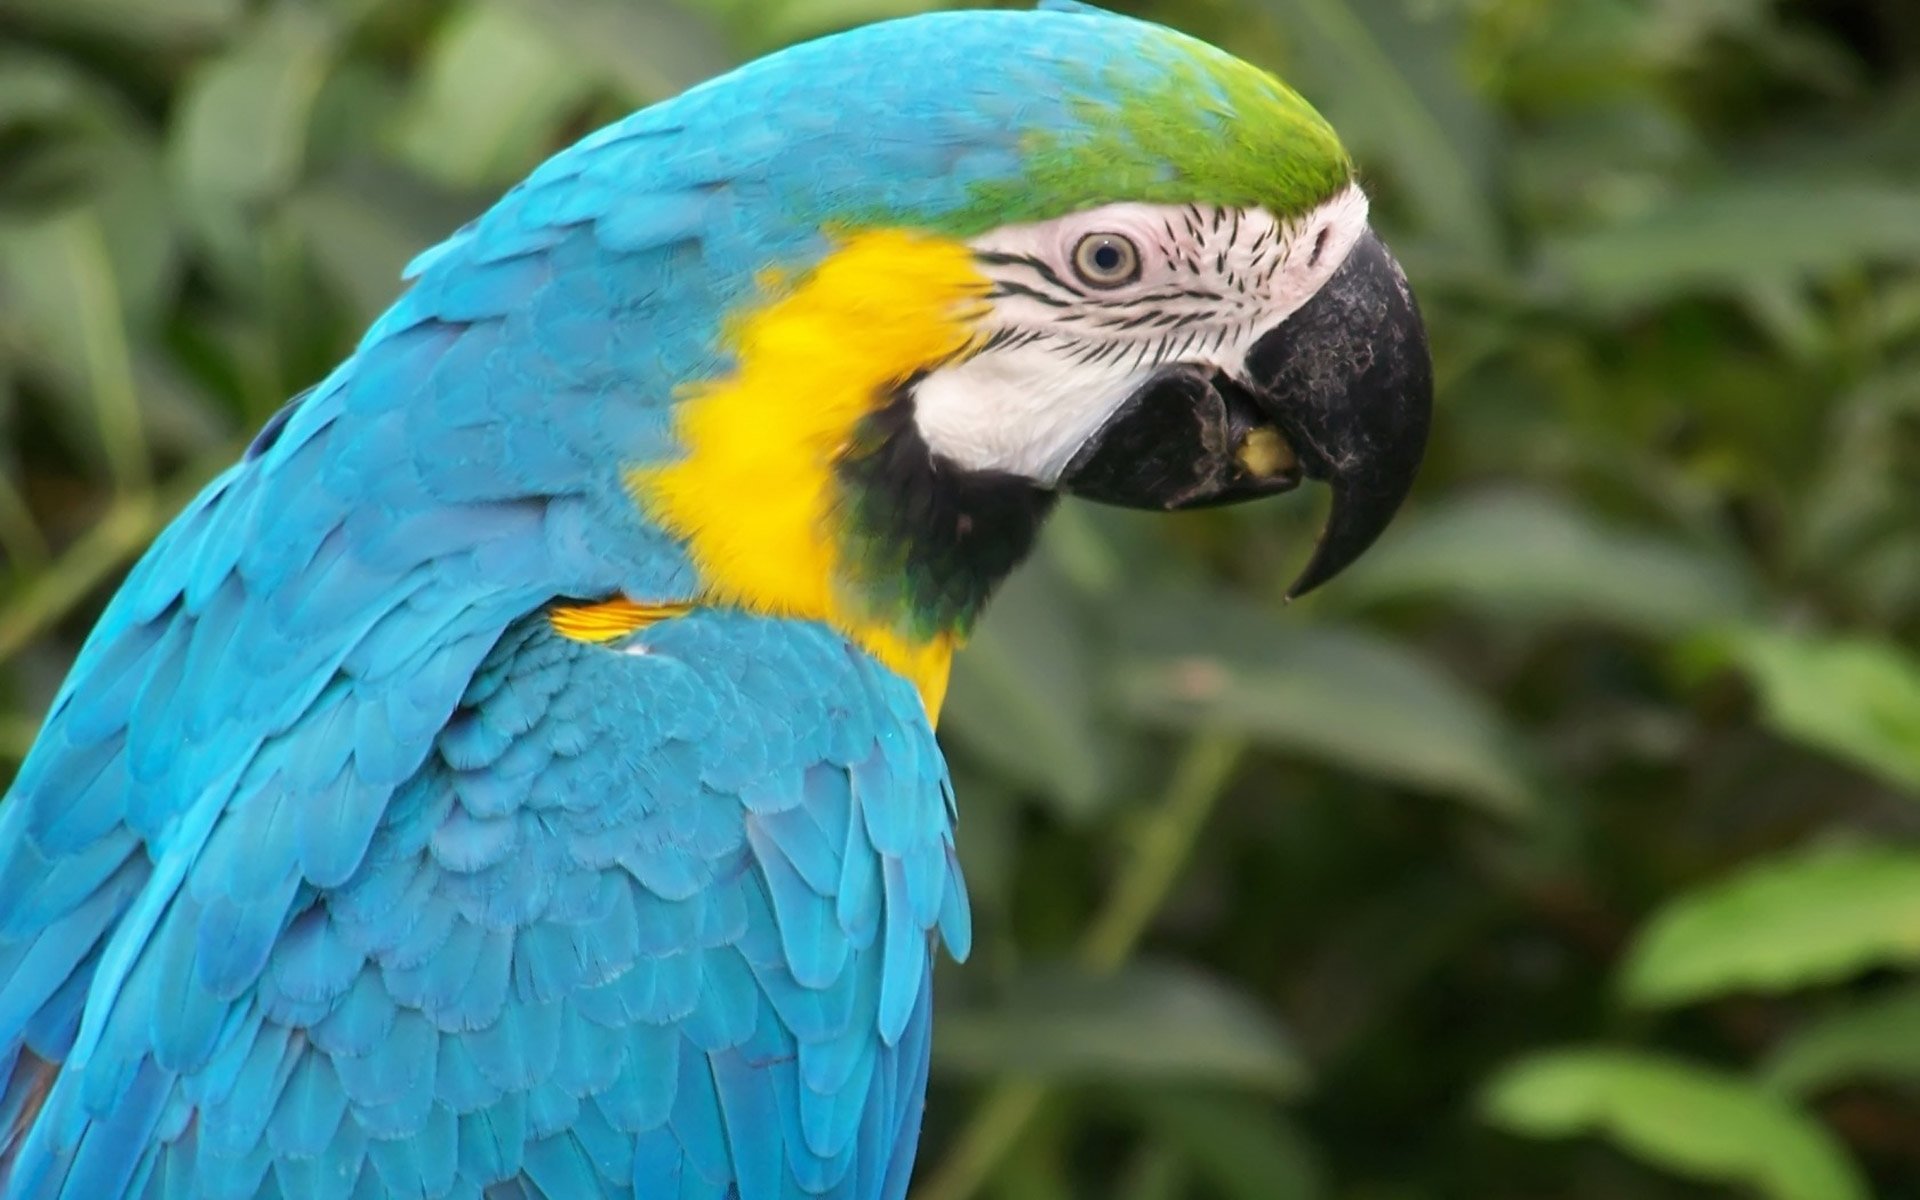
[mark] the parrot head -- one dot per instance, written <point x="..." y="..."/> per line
<point x="907" y="284"/>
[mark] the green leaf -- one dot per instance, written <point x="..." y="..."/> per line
<point x="766" y="24"/>
<point x="139" y="223"/>
<point x="496" y="90"/>
<point x="241" y="133"/>
<point x="363" y="226"/>
<point x="151" y="24"/>
<point x="1877" y="1040"/>
<point x="1244" y="1148"/>
<point x="67" y="142"/>
<point x="54" y="123"/>
<point x="1788" y="923"/>
<point x="1387" y="81"/>
<point x="1691" y="1120"/>
<point x="79" y="329"/>
<point x="1535" y="557"/>
<point x="23" y="547"/>
<point x="647" y="50"/>
<point x="1854" y="697"/>
<point x="1022" y="695"/>
<point x="1739" y="235"/>
<point x="1144" y="1024"/>
<point x="1365" y="703"/>
<point x="1155" y="1172"/>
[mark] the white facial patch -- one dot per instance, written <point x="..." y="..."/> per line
<point x="1061" y="352"/>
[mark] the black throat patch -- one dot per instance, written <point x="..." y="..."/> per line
<point x="931" y="538"/>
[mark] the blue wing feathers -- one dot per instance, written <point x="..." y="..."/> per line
<point x="418" y="1031"/>
<point x="558" y="1166"/>
<point x="955" y="919"/>
<point x="904" y="957"/>
<point x="309" y="1111"/>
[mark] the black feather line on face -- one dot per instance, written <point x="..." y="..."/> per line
<point x="1006" y="287"/>
<point x="1038" y="266"/>
<point x="931" y="538"/>
<point x="1180" y="293"/>
<point x="1217" y="291"/>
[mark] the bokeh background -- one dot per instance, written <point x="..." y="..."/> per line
<point x="1569" y="847"/>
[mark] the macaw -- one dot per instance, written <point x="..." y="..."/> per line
<point x="515" y="778"/>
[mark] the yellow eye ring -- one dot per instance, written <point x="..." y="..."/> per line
<point x="1106" y="260"/>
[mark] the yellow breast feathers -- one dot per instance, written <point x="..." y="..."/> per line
<point x="755" y="494"/>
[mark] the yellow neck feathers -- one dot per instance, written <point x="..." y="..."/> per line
<point x="755" y="495"/>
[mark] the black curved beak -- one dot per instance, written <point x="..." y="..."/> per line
<point x="1340" y="392"/>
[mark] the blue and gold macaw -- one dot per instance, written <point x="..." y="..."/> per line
<point x="516" y="777"/>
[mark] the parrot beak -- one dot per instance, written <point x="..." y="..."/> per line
<point x="1340" y="392"/>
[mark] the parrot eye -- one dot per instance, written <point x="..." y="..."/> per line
<point x="1106" y="260"/>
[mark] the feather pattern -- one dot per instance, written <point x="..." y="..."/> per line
<point x="429" y="1028"/>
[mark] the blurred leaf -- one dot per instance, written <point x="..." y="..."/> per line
<point x="1203" y="662"/>
<point x="1537" y="557"/>
<point x="240" y="136"/>
<point x="766" y="24"/>
<point x="1144" y="1023"/>
<point x="495" y="91"/>
<point x="1022" y="695"/>
<point x="1876" y="141"/>
<point x="138" y="223"/>
<point x="1244" y="1149"/>
<point x="1387" y="81"/>
<point x="22" y="546"/>
<point x="1739" y="235"/>
<point x="363" y="225"/>
<point x="356" y="245"/>
<point x="1876" y="1040"/>
<point x="1074" y="544"/>
<point x="1155" y="1173"/>
<point x="1792" y="922"/>
<point x="66" y="142"/>
<point x="149" y="23"/>
<point x="79" y="331"/>
<point x="1688" y="1119"/>
<point x="1854" y="697"/>
<point x="53" y="122"/>
<point x="16" y="736"/>
<point x="647" y="50"/>
<point x="180" y="415"/>
<point x="988" y="840"/>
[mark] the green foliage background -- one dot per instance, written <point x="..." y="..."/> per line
<point x="1567" y="848"/>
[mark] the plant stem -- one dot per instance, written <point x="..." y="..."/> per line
<point x="1159" y="853"/>
<point x="130" y="522"/>
<point x="126" y="525"/>
<point x="1161" y="848"/>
